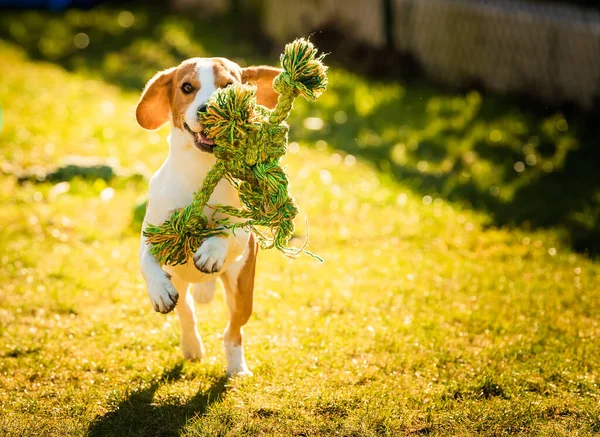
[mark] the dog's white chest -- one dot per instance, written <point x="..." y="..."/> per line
<point x="173" y="187"/>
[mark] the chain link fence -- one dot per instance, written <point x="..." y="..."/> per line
<point x="550" y="50"/>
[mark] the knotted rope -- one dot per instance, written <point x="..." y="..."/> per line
<point x="249" y="143"/>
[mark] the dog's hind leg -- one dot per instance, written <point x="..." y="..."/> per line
<point x="191" y="343"/>
<point x="238" y="281"/>
<point x="203" y="292"/>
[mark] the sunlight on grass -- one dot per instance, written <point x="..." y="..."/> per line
<point x="423" y="319"/>
<point x="92" y="118"/>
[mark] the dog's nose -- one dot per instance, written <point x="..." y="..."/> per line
<point x="202" y="108"/>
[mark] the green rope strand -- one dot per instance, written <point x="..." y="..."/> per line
<point x="250" y="140"/>
<point x="177" y="239"/>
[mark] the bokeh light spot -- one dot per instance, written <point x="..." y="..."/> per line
<point x="293" y="147"/>
<point x="107" y="194"/>
<point x="562" y="125"/>
<point x="548" y="167"/>
<point x="335" y="158"/>
<point x="108" y="107"/>
<point x="321" y="145"/>
<point x="81" y="40"/>
<point x="340" y="117"/>
<point x="496" y="136"/>
<point x="313" y="123"/>
<point x="126" y="19"/>
<point x="349" y="160"/>
<point x="398" y="154"/>
<point x="519" y="167"/>
<point x="422" y="166"/>
<point x="325" y="176"/>
<point x="153" y="137"/>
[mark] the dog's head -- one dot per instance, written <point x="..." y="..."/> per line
<point x="177" y="94"/>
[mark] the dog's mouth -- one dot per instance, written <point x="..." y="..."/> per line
<point x="201" y="141"/>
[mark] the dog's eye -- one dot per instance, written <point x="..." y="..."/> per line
<point x="187" y="88"/>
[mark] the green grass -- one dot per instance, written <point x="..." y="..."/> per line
<point x="425" y="319"/>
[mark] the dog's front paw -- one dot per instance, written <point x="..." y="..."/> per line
<point x="162" y="294"/>
<point x="241" y="373"/>
<point x="210" y="256"/>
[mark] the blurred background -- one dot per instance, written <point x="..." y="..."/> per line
<point x="493" y="104"/>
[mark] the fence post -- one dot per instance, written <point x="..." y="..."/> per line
<point x="388" y="23"/>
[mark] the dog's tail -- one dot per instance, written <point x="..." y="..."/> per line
<point x="203" y="292"/>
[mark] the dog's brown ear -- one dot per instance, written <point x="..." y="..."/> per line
<point x="262" y="77"/>
<point x="154" y="106"/>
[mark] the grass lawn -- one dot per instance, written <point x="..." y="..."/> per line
<point x="425" y="319"/>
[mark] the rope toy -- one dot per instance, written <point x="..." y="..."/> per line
<point x="249" y="142"/>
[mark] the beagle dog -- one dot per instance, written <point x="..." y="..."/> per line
<point x="176" y="95"/>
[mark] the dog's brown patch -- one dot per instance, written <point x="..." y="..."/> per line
<point x="245" y="279"/>
<point x="240" y="294"/>
<point x="262" y="77"/>
<point x="186" y="72"/>
<point x="154" y="106"/>
<point x="225" y="72"/>
<point x="163" y="95"/>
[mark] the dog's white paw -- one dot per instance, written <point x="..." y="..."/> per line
<point x="192" y="348"/>
<point x="236" y="363"/>
<point x="162" y="294"/>
<point x="239" y="373"/>
<point x="210" y="256"/>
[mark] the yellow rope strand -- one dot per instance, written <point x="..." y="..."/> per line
<point x="250" y="140"/>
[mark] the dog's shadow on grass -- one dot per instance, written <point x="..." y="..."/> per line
<point x="140" y="415"/>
